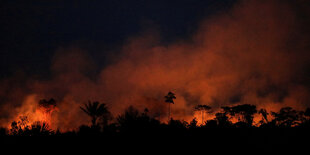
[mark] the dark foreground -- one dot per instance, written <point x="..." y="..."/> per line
<point x="249" y="141"/>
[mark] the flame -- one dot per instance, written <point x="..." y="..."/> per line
<point x="31" y="112"/>
<point x="252" y="54"/>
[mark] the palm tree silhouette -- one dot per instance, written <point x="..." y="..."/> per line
<point x="169" y="99"/>
<point x="95" y="110"/>
<point x="203" y="109"/>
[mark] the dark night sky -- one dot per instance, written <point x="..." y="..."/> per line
<point x="31" y="31"/>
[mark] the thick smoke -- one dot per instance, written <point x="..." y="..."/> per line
<point x="255" y="53"/>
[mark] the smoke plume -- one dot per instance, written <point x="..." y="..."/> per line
<point x="255" y="53"/>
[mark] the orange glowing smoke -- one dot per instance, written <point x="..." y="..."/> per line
<point x="45" y="109"/>
<point x="254" y="53"/>
<point x="33" y="111"/>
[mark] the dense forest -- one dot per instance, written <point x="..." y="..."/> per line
<point x="137" y="122"/>
<point x="232" y="126"/>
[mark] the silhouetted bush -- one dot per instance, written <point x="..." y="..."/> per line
<point x="132" y="121"/>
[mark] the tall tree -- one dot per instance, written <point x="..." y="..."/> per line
<point x="95" y="110"/>
<point x="169" y="99"/>
<point x="203" y="109"/>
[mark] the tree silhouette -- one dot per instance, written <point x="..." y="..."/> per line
<point x="40" y="129"/>
<point x="287" y="117"/>
<point x="222" y="119"/>
<point x="306" y="118"/>
<point x="243" y="112"/>
<point x="20" y="127"/>
<point x="169" y="99"/>
<point x="307" y="112"/>
<point x="193" y="123"/>
<point x="129" y="120"/>
<point x="14" y="128"/>
<point x="264" y="114"/>
<point x="96" y="110"/>
<point x="203" y="109"/>
<point x="134" y="121"/>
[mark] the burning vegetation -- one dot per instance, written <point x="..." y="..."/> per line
<point x="247" y="68"/>
<point x="244" y="116"/>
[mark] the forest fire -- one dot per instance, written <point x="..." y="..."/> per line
<point x="34" y="114"/>
<point x="46" y="108"/>
<point x="254" y="54"/>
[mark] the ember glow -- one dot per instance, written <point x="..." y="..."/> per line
<point x="255" y="53"/>
<point x="34" y="111"/>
